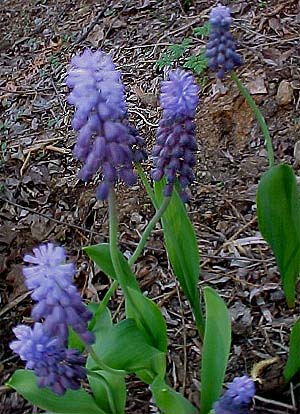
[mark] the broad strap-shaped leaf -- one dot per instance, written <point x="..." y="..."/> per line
<point x="278" y="212"/>
<point x="168" y="400"/>
<point x="293" y="362"/>
<point x="182" y="247"/>
<point x="123" y="347"/>
<point x="148" y="318"/>
<point x="73" y="402"/>
<point x="109" y="391"/>
<point x="145" y="312"/>
<point x="216" y="347"/>
<point x="100" y="254"/>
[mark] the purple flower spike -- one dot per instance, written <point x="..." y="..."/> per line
<point x="174" y="152"/>
<point x="237" y="398"/>
<point x="56" y="367"/>
<point x="106" y="141"/>
<point x="221" y="49"/>
<point x="59" y="302"/>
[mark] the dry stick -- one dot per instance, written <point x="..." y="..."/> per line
<point x="231" y="239"/>
<point x="14" y="303"/>
<point x="31" y="210"/>
<point x="91" y="26"/>
<point x="279" y="404"/>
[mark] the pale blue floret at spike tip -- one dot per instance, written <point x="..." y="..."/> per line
<point x="174" y="151"/>
<point x="237" y="398"/>
<point x="58" y="300"/>
<point x="55" y="366"/>
<point x="221" y="48"/>
<point x="106" y="140"/>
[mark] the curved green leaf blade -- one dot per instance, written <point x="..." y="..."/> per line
<point x="182" y="248"/>
<point x="148" y="318"/>
<point x="278" y="212"/>
<point x="168" y="400"/>
<point x="109" y="391"/>
<point x="123" y="347"/>
<point x="73" y="402"/>
<point x="100" y="254"/>
<point x="215" y="350"/>
<point x="293" y="362"/>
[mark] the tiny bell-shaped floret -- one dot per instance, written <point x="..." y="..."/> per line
<point x="106" y="141"/>
<point x="55" y="366"/>
<point x="221" y="49"/>
<point x="237" y="398"/>
<point x="58" y="300"/>
<point x="174" y="151"/>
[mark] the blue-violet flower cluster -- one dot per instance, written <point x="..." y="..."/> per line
<point x="174" y="151"/>
<point x="221" y="49"/>
<point x="58" y="301"/>
<point x="237" y="398"/>
<point x="59" y="306"/>
<point x="105" y="139"/>
<point x="55" y="366"/>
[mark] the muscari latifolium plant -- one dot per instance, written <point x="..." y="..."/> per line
<point x="76" y="358"/>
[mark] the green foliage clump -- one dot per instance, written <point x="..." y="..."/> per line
<point x="197" y="63"/>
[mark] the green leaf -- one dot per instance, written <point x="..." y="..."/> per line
<point x="174" y="53"/>
<point x="148" y="318"/>
<point x="202" y="30"/>
<point x="168" y="400"/>
<point x="198" y="63"/>
<point x="215" y="350"/>
<point x="100" y="254"/>
<point x="123" y="347"/>
<point x="145" y="312"/>
<point x="278" y="212"/>
<point x="73" y="402"/>
<point x="74" y="341"/>
<point x="109" y="391"/>
<point x="103" y="323"/>
<point x="182" y="248"/>
<point x="293" y="362"/>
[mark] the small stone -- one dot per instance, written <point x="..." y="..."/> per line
<point x="284" y="93"/>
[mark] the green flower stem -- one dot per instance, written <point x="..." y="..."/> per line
<point x="148" y="230"/>
<point x="260" y="119"/>
<point x="101" y="364"/>
<point x="113" y="239"/>
<point x="103" y="304"/>
<point x="147" y="185"/>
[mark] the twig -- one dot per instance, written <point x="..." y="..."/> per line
<point x="31" y="210"/>
<point x="278" y="403"/>
<point x="235" y="235"/>
<point x="13" y="303"/>
<point x="91" y="26"/>
<point x="4" y="388"/>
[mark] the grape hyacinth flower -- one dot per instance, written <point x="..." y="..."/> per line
<point x="174" y="152"/>
<point x="221" y="49"/>
<point x="105" y="139"/>
<point x="55" y="366"/>
<point x="58" y="301"/>
<point x="237" y="398"/>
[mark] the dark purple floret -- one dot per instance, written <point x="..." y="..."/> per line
<point x="237" y="398"/>
<point x="174" y="151"/>
<point x="58" y="301"/>
<point x="106" y="141"/>
<point x="55" y="366"/>
<point x="221" y="49"/>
